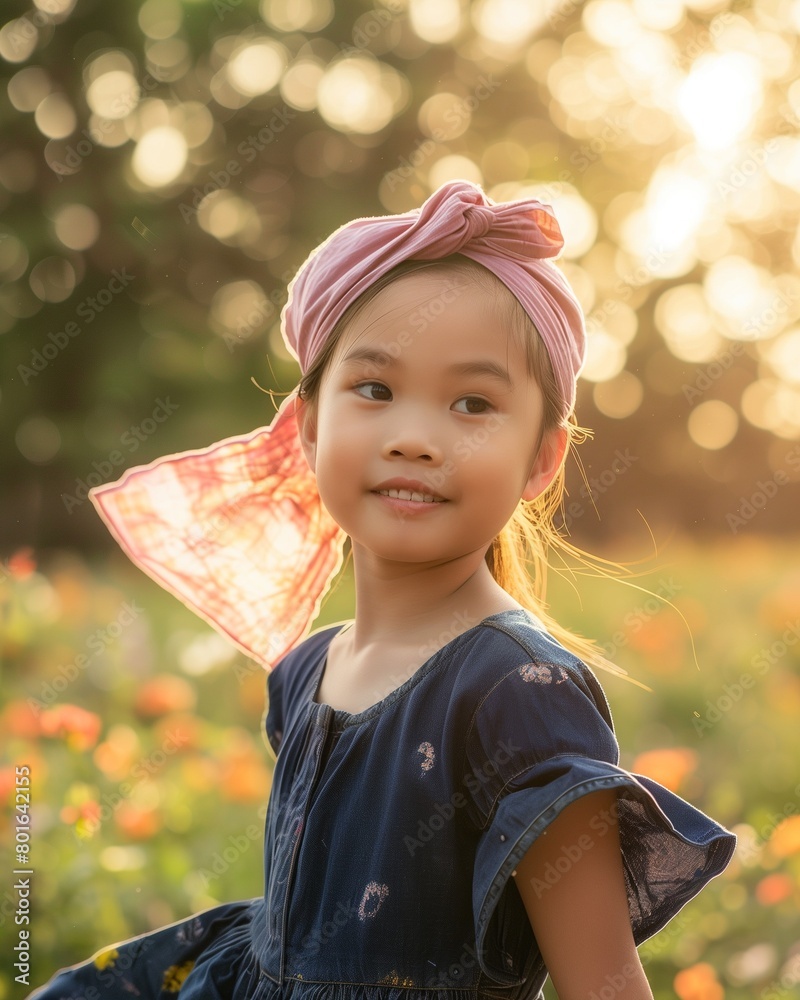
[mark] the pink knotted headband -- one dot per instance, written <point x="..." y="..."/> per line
<point x="514" y="240"/>
<point x="237" y="530"/>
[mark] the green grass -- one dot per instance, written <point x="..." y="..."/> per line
<point x="148" y="802"/>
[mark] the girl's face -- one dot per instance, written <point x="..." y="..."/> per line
<point x="420" y="414"/>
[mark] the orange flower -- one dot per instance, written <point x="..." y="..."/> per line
<point x="85" y="817"/>
<point x="179" y="730"/>
<point x="698" y="982"/>
<point x="136" y="822"/>
<point x="785" y="839"/>
<point x="79" y="728"/>
<point x="243" y="774"/>
<point x="669" y="766"/>
<point x="773" y="889"/>
<point x="72" y="583"/>
<point x="22" y="563"/>
<point x="166" y="693"/>
<point x="19" y="719"/>
<point x="8" y="782"/>
<point x="199" y="773"/>
<point x="779" y="607"/>
<point x="661" y="639"/>
<point x="116" y="755"/>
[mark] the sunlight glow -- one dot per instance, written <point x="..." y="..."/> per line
<point x="436" y="21"/>
<point x="359" y="94"/>
<point x="713" y="424"/>
<point x="509" y="22"/>
<point x="676" y="207"/>
<point x="114" y="94"/>
<point x="257" y="68"/>
<point x="160" y="156"/>
<point x="720" y="97"/>
<point x="605" y="356"/>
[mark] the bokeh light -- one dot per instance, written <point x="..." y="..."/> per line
<point x="720" y="97"/>
<point x="358" y="94"/>
<point x="160" y="156"/>
<point x="203" y="150"/>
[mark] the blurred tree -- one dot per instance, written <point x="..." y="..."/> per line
<point x="166" y="167"/>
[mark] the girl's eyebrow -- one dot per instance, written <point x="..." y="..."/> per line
<point x="480" y="366"/>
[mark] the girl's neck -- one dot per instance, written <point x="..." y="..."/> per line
<point x="422" y="607"/>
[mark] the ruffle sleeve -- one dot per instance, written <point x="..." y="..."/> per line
<point x="541" y="738"/>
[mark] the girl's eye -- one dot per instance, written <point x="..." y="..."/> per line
<point x="477" y="399"/>
<point x="484" y="402"/>
<point x="363" y="385"/>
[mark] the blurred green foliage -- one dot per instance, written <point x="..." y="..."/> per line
<point x="150" y="772"/>
<point x="166" y="168"/>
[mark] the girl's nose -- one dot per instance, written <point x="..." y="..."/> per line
<point x="413" y="439"/>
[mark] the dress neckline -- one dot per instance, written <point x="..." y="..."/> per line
<point x="343" y="719"/>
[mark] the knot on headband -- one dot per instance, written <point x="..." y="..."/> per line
<point x="515" y="240"/>
<point x="459" y="213"/>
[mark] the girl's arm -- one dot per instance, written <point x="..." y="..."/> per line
<point x="572" y="884"/>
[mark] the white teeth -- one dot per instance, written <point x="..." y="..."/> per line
<point x="409" y="495"/>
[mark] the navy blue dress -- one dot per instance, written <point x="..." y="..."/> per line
<point x="392" y="835"/>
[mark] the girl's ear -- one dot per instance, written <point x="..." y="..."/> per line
<point x="306" y="417"/>
<point x="547" y="463"/>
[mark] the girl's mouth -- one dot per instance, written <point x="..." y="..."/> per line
<point x="408" y="500"/>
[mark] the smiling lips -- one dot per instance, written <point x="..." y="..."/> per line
<point x="410" y="495"/>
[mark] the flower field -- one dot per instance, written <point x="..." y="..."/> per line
<point x="141" y="729"/>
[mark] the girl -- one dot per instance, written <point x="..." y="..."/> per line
<point x="447" y="816"/>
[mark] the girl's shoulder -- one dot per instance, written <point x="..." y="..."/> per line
<point x="513" y="648"/>
<point x="522" y="693"/>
